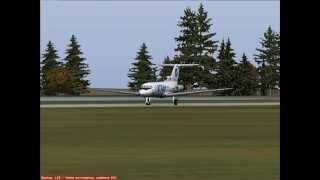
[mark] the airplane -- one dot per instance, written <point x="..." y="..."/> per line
<point x="166" y="88"/>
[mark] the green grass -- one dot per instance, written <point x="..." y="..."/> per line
<point x="228" y="143"/>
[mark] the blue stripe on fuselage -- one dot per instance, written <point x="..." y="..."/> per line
<point x="160" y="90"/>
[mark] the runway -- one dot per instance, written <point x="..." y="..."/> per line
<point x="156" y="105"/>
<point x="130" y="98"/>
<point x="184" y="101"/>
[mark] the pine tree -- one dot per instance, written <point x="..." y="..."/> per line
<point x="195" y="45"/>
<point x="41" y="78"/>
<point x="276" y="63"/>
<point x="268" y="59"/>
<point x="142" y="69"/>
<point x="226" y="67"/>
<point x="229" y="55"/>
<point x="203" y="74"/>
<point x="49" y="62"/>
<point x="246" y="81"/>
<point x="206" y="47"/>
<point x="187" y="46"/>
<point x="219" y="69"/>
<point x="75" y="64"/>
<point x="186" y="41"/>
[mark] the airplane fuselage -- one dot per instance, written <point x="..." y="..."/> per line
<point x="159" y="89"/>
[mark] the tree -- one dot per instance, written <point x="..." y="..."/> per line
<point x="276" y="63"/>
<point x="40" y="79"/>
<point x="206" y="47"/>
<point x="246" y="81"/>
<point x="186" y="41"/>
<point x="142" y="69"/>
<point x="226" y="67"/>
<point x="203" y="73"/>
<point x="50" y="61"/>
<point x="187" y="46"/>
<point x="268" y="59"/>
<point x="221" y="50"/>
<point x="195" y="45"/>
<point x="59" y="81"/>
<point x="75" y="64"/>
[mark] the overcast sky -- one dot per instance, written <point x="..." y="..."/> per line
<point x="110" y="33"/>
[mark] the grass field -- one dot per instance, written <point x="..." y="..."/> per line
<point x="223" y="143"/>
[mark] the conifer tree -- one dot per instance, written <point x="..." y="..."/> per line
<point x="187" y="46"/>
<point x="186" y="41"/>
<point x="49" y="62"/>
<point x="276" y="63"/>
<point x="268" y="59"/>
<point x="142" y="69"/>
<point x="195" y="45"/>
<point x="226" y="67"/>
<point x="246" y="81"/>
<point x="75" y="63"/>
<point x="205" y="44"/>
<point x="206" y="47"/>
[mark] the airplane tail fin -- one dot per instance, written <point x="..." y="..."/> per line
<point x="175" y="71"/>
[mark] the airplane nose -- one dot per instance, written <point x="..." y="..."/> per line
<point x="144" y="92"/>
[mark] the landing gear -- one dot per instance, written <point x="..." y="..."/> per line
<point x="175" y="101"/>
<point x="148" y="101"/>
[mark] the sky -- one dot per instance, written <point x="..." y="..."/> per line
<point x="110" y="33"/>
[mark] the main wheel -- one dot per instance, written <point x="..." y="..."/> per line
<point x="175" y="102"/>
<point x="148" y="102"/>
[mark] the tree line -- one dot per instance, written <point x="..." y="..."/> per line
<point x="196" y="43"/>
<point x="218" y="68"/>
<point x="64" y="76"/>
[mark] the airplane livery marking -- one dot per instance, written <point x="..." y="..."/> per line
<point x="161" y="89"/>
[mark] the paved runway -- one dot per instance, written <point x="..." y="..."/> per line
<point x="187" y="98"/>
<point x="156" y="105"/>
<point x="114" y="101"/>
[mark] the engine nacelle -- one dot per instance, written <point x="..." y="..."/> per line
<point x="180" y="87"/>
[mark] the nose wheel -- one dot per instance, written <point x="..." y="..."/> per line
<point x="148" y="101"/>
<point x="175" y="101"/>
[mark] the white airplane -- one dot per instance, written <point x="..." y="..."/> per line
<point x="167" y="88"/>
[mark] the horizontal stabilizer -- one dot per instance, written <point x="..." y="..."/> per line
<point x="180" y="65"/>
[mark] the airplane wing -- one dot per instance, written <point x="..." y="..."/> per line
<point x="119" y="91"/>
<point x="195" y="92"/>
